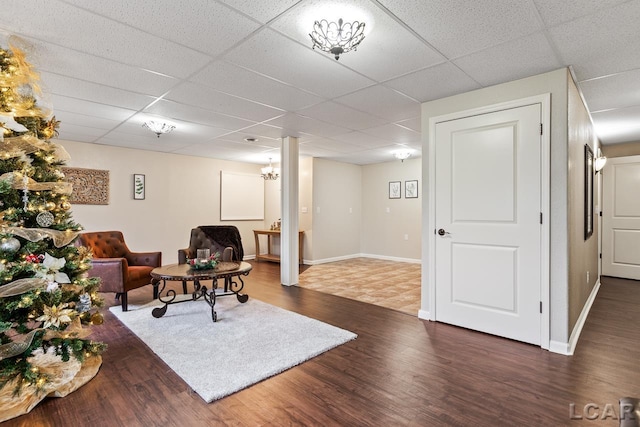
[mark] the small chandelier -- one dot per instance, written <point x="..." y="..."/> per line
<point x="158" y="127"/>
<point x="337" y="38"/>
<point x="402" y="155"/>
<point x="269" y="172"/>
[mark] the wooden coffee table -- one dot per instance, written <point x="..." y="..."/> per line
<point x="233" y="284"/>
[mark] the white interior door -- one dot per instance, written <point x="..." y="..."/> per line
<point x="621" y="218"/>
<point x="487" y="217"/>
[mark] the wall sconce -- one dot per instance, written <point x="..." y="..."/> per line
<point x="600" y="161"/>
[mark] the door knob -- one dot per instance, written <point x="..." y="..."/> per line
<point x="441" y="232"/>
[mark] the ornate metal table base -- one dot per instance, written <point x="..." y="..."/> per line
<point x="233" y="285"/>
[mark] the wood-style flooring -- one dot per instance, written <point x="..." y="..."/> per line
<point x="399" y="371"/>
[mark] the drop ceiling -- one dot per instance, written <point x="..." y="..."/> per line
<point x="222" y="71"/>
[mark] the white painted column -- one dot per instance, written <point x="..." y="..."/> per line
<point x="289" y="247"/>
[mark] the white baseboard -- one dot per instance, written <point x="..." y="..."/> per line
<point x="424" y="315"/>
<point x="345" y="257"/>
<point x="569" y="347"/>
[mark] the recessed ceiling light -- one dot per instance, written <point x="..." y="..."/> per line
<point x="251" y="139"/>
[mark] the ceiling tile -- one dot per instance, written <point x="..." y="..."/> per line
<point x="68" y="117"/>
<point x="71" y="63"/>
<point x="229" y="78"/>
<point x="263" y="11"/>
<point x="414" y="124"/>
<point x="333" y="145"/>
<point x="278" y="57"/>
<point x="209" y="99"/>
<point x="615" y="91"/>
<point x="617" y="126"/>
<point x="60" y="23"/>
<point x="295" y="125"/>
<point x="554" y="12"/>
<point x="459" y="27"/>
<point x="512" y="60"/>
<point x="434" y="83"/>
<point x="395" y="133"/>
<point x="79" y="89"/>
<point x="188" y="113"/>
<point x="602" y="43"/>
<point x="382" y="102"/>
<point x="188" y="24"/>
<point x="79" y="106"/>
<point x="340" y="115"/>
<point x="362" y="139"/>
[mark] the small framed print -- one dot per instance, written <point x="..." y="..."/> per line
<point x="394" y="190"/>
<point x="411" y="189"/>
<point x="138" y="187"/>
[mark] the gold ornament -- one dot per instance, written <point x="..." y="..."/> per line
<point x="49" y="206"/>
<point x="65" y="205"/>
<point x="97" y="318"/>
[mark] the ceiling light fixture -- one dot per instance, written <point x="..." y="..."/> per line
<point x="158" y="127"/>
<point x="269" y="172"/>
<point x="337" y="38"/>
<point x="402" y="155"/>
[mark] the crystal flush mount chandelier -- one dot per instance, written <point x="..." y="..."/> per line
<point x="337" y="38"/>
<point x="158" y="127"/>
<point x="269" y="172"/>
<point x="402" y="155"/>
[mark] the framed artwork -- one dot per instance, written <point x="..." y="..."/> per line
<point x="588" y="191"/>
<point x="138" y="187"/>
<point x="90" y="186"/>
<point x="411" y="189"/>
<point x="394" y="190"/>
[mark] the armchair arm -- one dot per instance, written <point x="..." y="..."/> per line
<point x="114" y="272"/>
<point x="150" y="259"/>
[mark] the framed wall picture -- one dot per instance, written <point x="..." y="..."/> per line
<point x="411" y="189"/>
<point x="588" y="191"/>
<point x="394" y="190"/>
<point x="138" y="187"/>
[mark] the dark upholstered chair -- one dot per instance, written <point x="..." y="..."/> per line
<point x="213" y="237"/>
<point x="224" y="239"/>
<point x="120" y="269"/>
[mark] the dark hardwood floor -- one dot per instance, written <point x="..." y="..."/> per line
<point x="399" y="371"/>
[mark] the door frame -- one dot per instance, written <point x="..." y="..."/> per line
<point x="545" y="194"/>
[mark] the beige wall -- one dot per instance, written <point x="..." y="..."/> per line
<point x="555" y="83"/>
<point x="386" y="222"/>
<point x="337" y="210"/>
<point x="621" y="150"/>
<point x="182" y="192"/>
<point x="583" y="255"/>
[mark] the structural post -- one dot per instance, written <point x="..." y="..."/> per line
<point x="289" y="247"/>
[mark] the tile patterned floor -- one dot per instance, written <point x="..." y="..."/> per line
<point x="389" y="284"/>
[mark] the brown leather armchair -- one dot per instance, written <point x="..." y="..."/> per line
<point x="120" y="269"/>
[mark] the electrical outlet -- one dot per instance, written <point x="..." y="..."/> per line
<point x="406" y="237"/>
<point x="387" y="210"/>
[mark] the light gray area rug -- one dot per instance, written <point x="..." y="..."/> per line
<point x="248" y="343"/>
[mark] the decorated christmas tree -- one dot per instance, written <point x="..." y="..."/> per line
<point x="47" y="303"/>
